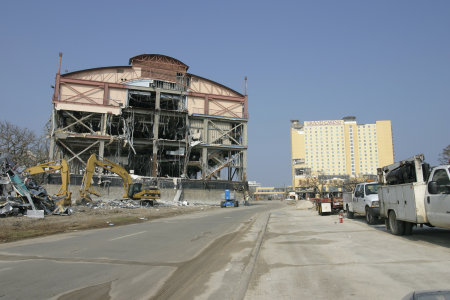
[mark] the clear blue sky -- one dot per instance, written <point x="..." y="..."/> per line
<point x="306" y="60"/>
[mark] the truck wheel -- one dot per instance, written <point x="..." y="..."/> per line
<point x="408" y="228"/>
<point x="370" y="218"/>
<point x="397" y="227"/>
<point x="349" y="214"/>
<point x="222" y="204"/>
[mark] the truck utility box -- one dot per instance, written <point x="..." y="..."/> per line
<point x="411" y="193"/>
<point x="406" y="199"/>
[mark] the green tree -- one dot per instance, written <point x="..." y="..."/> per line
<point x="444" y="157"/>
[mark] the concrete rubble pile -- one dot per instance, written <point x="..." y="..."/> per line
<point x="20" y="195"/>
<point x="132" y="204"/>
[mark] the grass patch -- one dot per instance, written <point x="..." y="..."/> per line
<point x="19" y="228"/>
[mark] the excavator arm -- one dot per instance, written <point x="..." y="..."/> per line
<point x="63" y="196"/>
<point x="93" y="161"/>
<point x="131" y="190"/>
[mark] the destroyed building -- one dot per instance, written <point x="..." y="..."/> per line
<point x="152" y="117"/>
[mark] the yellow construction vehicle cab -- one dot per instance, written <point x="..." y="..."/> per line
<point x="63" y="197"/>
<point x="132" y="190"/>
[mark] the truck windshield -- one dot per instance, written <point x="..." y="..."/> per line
<point x="371" y="189"/>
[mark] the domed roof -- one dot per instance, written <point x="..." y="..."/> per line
<point x="160" y="60"/>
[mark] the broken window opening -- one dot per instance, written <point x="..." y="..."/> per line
<point x="172" y="128"/>
<point x="141" y="99"/>
<point x="79" y="122"/>
<point x="140" y="164"/>
<point x="171" y="102"/>
<point x="170" y="163"/>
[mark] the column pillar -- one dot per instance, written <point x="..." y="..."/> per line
<point x="206" y="105"/>
<point x="101" y="148"/>
<point x="156" y="134"/>
<point x="187" y="150"/>
<point x="51" y="153"/>
<point x="244" y="153"/>
<point x="205" y="137"/>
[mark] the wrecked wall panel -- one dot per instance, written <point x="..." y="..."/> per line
<point x="203" y="85"/>
<point x="226" y="108"/>
<point x="196" y="105"/>
<point x="115" y="110"/>
<point x="81" y="94"/>
<point x="217" y="132"/>
<point x="117" y="96"/>
<point x="109" y="74"/>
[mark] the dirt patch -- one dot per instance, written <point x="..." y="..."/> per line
<point x="304" y="204"/>
<point x="18" y="228"/>
<point x="188" y="280"/>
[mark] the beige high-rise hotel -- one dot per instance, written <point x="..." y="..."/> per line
<point x="339" y="148"/>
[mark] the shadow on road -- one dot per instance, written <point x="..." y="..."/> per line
<point x="432" y="235"/>
<point x="437" y="236"/>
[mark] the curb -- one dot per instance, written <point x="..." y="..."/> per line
<point x="247" y="273"/>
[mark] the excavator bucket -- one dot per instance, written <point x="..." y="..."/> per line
<point x="84" y="199"/>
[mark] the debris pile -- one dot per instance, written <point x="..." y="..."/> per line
<point x="112" y="204"/>
<point x="20" y="195"/>
<point x="132" y="204"/>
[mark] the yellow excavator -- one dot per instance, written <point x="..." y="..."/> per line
<point x="132" y="190"/>
<point x="63" y="197"/>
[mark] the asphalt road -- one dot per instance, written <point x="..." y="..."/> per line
<point x="266" y="251"/>
<point x="306" y="256"/>
<point x="204" y="255"/>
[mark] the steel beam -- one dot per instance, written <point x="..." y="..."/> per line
<point x="77" y="155"/>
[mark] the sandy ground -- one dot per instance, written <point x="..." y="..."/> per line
<point x="304" y="205"/>
<point x="15" y="228"/>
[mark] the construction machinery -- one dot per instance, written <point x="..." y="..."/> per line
<point x="63" y="198"/>
<point x="331" y="204"/>
<point x="134" y="191"/>
<point x="413" y="194"/>
<point x="229" y="199"/>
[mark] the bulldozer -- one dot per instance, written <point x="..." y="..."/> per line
<point x="134" y="191"/>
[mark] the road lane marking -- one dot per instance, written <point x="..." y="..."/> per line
<point x="124" y="236"/>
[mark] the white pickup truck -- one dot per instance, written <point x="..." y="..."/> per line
<point x="364" y="201"/>
<point x="409" y="194"/>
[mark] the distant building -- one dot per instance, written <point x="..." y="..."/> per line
<point x="270" y="193"/>
<point x="252" y="186"/>
<point x="339" y="148"/>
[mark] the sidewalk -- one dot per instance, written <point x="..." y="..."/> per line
<point x="306" y="256"/>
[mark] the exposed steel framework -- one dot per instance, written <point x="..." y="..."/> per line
<point x="138" y="116"/>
